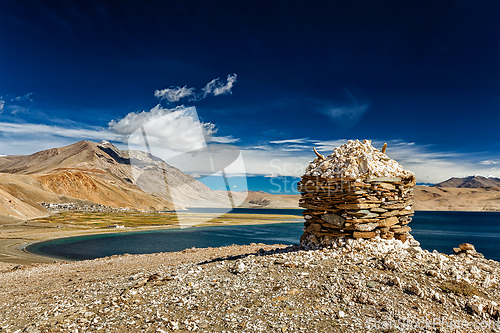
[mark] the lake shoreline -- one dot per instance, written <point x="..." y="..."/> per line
<point x="14" y="239"/>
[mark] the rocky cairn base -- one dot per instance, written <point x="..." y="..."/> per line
<point x="381" y="206"/>
<point x="356" y="192"/>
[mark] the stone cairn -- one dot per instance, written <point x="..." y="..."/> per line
<point x="467" y="249"/>
<point x="356" y="192"/>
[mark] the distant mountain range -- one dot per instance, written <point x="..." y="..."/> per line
<point x="476" y="181"/>
<point x="89" y="173"/>
<point x="474" y="193"/>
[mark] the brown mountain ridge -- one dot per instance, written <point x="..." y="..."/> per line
<point x="476" y="181"/>
<point x="93" y="173"/>
<point x="89" y="173"/>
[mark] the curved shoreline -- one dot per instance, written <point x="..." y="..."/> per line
<point x="13" y="250"/>
<point x="166" y="240"/>
<point x="15" y="238"/>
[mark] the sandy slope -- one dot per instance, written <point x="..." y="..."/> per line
<point x="19" y="195"/>
<point x="457" y="199"/>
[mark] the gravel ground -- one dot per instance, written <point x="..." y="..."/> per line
<point x="345" y="286"/>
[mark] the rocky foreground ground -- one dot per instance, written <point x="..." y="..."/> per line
<point x="349" y="286"/>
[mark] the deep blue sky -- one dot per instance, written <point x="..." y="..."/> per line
<point x="422" y="75"/>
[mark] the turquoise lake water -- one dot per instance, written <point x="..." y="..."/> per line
<point x="434" y="230"/>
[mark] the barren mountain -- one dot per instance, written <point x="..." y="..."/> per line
<point x="87" y="172"/>
<point x="425" y="198"/>
<point x="456" y="199"/>
<point x="476" y="181"/>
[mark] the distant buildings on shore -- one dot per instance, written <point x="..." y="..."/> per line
<point x="71" y="206"/>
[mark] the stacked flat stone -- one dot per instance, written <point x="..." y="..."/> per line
<point x="356" y="192"/>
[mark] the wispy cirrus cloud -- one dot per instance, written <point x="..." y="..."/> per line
<point x="301" y="140"/>
<point x="430" y="164"/>
<point x="174" y="94"/>
<point x="327" y="145"/>
<point x="214" y="87"/>
<point x="23" y="98"/>
<point x="261" y="147"/>
<point x="177" y="128"/>
<point x="348" y="114"/>
<point x="299" y="146"/>
<point x="15" y="104"/>
<point x="28" y="138"/>
<point x="490" y="162"/>
<point x="49" y="130"/>
<point x="292" y="149"/>
<point x="225" y="139"/>
<point x="217" y="88"/>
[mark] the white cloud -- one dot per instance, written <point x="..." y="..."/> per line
<point x="15" y="104"/>
<point x="15" y="109"/>
<point x="225" y="139"/>
<point x="259" y="147"/>
<point x="273" y="175"/>
<point x="489" y="162"/>
<point x="177" y="129"/>
<point x="300" y="147"/>
<point x="216" y="88"/>
<point x="328" y="145"/>
<point x="28" y="138"/>
<point x="133" y="120"/>
<point x="40" y="129"/>
<point x="292" y="149"/>
<point x="301" y="140"/>
<point x="24" y="98"/>
<point x="174" y="94"/>
<point x="178" y="126"/>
